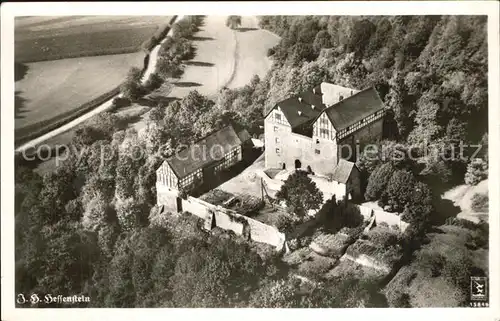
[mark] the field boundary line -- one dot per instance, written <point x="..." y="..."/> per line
<point x="235" y="61"/>
<point x="75" y="117"/>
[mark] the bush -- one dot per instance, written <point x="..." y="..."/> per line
<point x="285" y="223"/>
<point x="400" y="189"/>
<point x="382" y="238"/>
<point x="398" y="299"/>
<point x="477" y="170"/>
<point x="154" y="82"/>
<point x="250" y="204"/>
<point x="120" y="102"/>
<point x="432" y="262"/>
<point x="480" y="203"/>
<point x="377" y="181"/>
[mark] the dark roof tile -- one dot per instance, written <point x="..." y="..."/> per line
<point x="354" y="108"/>
<point x="204" y="152"/>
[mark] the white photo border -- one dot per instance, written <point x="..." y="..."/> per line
<point x="10" y="10"/>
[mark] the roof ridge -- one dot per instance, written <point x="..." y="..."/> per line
<point x="355" y="94"/>
<point x="205" y="137"/>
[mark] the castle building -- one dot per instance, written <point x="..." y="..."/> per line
<point x="315" y="129"/>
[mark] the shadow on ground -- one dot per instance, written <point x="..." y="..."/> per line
<point x="246" y="29"/>
<point x="200" y="38"/>
<point x="199" y="63"/>
<point x="20" y="70"/>
<point x="225" y="176"/>
<point x="187" y="84"/>
<point x="19" y="105"/>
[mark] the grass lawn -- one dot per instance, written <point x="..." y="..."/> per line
<point x="50" y="38"/>
<point x="50" y="88"/>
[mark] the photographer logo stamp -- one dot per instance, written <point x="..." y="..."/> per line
<point x="478" y="288"/>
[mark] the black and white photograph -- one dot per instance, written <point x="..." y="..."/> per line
<point x="282" y="156"/>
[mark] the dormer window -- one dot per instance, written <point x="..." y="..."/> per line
<point x="300" y="113"/>
<point x="313" y="107"/>
<point x="300" y="99"/>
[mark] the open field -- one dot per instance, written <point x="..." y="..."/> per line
<point x="211" y="69"/>
<point x="50" y="38"/>
<point x="51" y="88"/>
<point x="225" y="57"/>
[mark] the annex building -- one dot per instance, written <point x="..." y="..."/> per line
<point x="204" y="160"/>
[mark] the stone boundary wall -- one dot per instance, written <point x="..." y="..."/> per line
<point x="224" y="218"/>
<point x="382" y="216"/>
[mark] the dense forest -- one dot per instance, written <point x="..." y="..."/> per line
<point x="91" y="226"/>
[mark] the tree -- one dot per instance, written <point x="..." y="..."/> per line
<point x="377" y="182"/>
<point x="154" y="81"/>
<point x="132" y="88"/>
<point x="322" y="40"/>
<point x="169" y="67"/>
<point x="233" y="22"/>
<point x="68" y="259"/>
<point x="131" y="214"/>
<point x="57" y="191"/>
<point x="400" y="188"/>
<point x="220" y="275"/>
<point x="477" y="170"/>
<point x="480" y="202"/>
<point x="300" y="194"/>
<point x="420" y="206"/>
<point x="277" y="294"/>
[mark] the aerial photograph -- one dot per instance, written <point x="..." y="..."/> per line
<point x="272" y="161"/>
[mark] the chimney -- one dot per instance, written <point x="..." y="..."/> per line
<point x="300" y="99"/>
<point x="300" y="113"/>
<point x="351" y="92"/>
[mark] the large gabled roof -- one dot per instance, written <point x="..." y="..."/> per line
<point x="206" y="151"/>
<point x="298" y="109"/>
<point x="354" y="108"/>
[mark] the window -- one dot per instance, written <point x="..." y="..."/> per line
<point x="277" y="116"/>
<point x="324" y="121"/>
<point x="275" y="128"/>
<point x="323" y="132"/>
<point x="316" y="151"/>
<point x="278" y="150"/>
<point x="277" y="140"/>
<point x="317" y="141"/>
